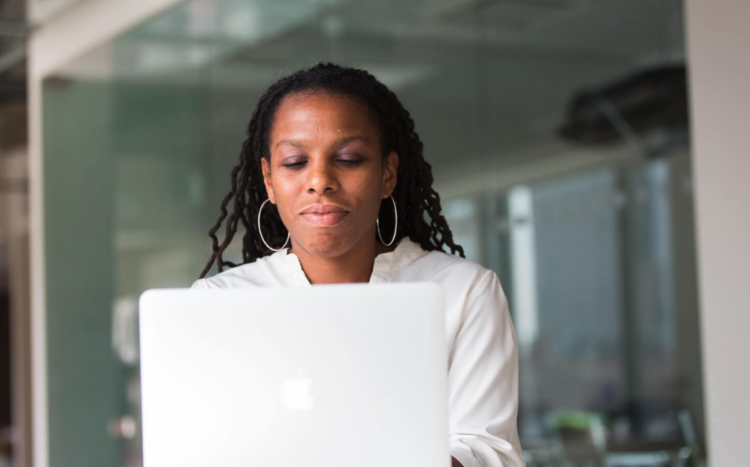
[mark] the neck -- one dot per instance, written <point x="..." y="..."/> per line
<point x="353" y="266"/>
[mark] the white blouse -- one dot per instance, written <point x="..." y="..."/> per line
<point x="482" y="351"/>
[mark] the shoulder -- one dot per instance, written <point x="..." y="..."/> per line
<point x="441" y="266"/>
<point x="263" y="272"/>
<point x="463" y="280"/>
<point x="466" y="282"/>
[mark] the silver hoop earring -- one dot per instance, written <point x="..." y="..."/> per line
<point x="261" y="231"/>
<point x="395" y="228"/>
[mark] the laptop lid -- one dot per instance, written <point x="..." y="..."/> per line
<point x="335" y="375"/>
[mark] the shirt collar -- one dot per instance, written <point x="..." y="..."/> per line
<point x="405" y="253"/>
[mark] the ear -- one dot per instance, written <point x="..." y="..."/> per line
<point x="266" y="169"/>
<point x="390" y="173"/>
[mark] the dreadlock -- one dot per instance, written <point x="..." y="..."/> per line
<point x="417" y="202"/>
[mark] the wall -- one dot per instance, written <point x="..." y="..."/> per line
<point x="718" y="38"/>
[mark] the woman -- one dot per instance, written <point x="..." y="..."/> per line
<point x="332" y="187"/>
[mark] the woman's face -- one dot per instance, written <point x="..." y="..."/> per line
<point x="327" y="174"/>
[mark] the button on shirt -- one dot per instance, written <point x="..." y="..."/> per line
<point x="482" y="349"/>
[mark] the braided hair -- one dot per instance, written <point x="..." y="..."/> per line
<point x="417" y="203"/>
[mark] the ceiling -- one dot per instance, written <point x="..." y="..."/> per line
<point x="478" y="75"/>
<point x="516" y="62"/>
<point x="263" y="33"/>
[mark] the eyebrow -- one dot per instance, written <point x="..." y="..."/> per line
<point x="338" y="142"/>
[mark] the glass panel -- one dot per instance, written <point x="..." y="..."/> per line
<point x="84" y="377"/>
<point x="557" y="133"/>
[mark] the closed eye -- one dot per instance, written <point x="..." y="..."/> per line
<point x="295" y="165"/>
<point x="350" y="162"/>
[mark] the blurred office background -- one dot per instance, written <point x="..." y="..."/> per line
<point x="559" y="135"/>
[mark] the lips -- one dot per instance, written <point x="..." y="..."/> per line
<point x="324" y="215"/>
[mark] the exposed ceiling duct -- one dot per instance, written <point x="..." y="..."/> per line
<point x="648" y="110"/>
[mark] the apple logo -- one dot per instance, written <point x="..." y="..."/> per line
<point x="295" y="393"/>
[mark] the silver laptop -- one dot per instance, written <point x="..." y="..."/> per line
<point x="334" y="376"/>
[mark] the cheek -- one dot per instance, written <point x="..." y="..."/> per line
<point x="285" y="190"/>
<point x="366" y="190"/>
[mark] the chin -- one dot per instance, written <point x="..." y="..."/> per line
<point x="327" y="245"/>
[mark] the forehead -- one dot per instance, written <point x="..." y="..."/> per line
<point x="320" y="113"/>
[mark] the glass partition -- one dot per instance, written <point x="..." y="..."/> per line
<point x="557" y="132"/>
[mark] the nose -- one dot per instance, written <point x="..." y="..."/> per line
<point x="322" y="177"/>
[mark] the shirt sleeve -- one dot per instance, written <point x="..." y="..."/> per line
<point x="483" y="381"/>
